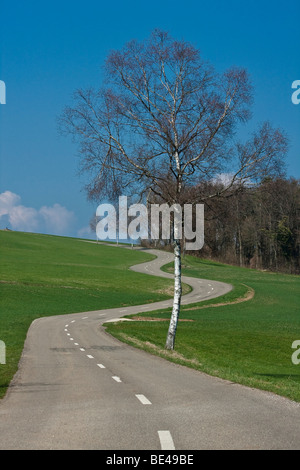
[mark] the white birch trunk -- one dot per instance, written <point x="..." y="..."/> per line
<point x="170" y="342"/>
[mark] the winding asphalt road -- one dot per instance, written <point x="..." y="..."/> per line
<point x="79" y="388"/>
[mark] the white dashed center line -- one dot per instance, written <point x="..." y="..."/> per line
<point x="165" y="437"/>
<point x="143" y="399"/>
<point x="166" y="441"/>
<point x="117" y="379"/>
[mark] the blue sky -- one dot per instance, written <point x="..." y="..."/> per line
<point x="49" y="49"/>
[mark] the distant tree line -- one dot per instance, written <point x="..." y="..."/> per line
<point x="256" y="227"/>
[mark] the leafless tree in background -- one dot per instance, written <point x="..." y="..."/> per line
<point x="164" y="121"/>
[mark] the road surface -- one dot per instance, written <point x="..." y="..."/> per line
<point x="79" y="388"/>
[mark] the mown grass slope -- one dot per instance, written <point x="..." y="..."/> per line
<point x="246" y="342"/>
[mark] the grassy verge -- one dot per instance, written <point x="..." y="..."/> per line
<point x="44" y="275"/>
<point x="245" y="342"/>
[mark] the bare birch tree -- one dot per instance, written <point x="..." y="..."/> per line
<point x="163" y="121"/>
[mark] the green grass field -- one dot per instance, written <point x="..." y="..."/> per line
<point x="45" y="275"/>
<point x="247" y="342"/>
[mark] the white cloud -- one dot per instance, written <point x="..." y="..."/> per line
<point x="55" y="220"/>
<point x="86" y="232"/>
<point x="7" y="201"/>
<point x="223" y="178"/>
<point x="23" y="218"/>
